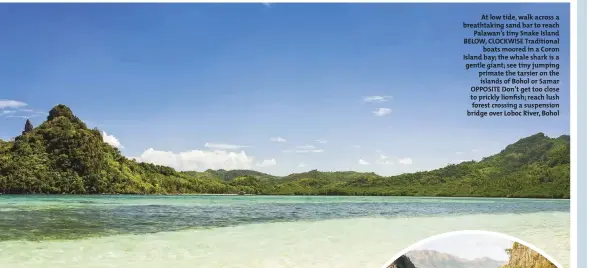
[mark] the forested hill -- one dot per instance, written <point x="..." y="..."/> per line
<point x="62" y="155"/>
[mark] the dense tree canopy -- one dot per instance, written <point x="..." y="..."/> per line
<point x="63" y="156"/>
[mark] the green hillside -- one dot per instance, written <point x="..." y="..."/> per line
<point x="228" y="175"/>
<point x="62" y="155"/>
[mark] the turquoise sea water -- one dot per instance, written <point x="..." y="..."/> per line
<point x="255" y="231"/>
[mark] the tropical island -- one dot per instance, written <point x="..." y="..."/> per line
<point x="63" y="156"/>
<point x="520" y="256"/>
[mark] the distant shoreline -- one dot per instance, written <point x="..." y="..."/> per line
<point x="271" y="195"/>
<point x="536" y="167"/>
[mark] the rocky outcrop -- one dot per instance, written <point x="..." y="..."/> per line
<point x="402" y="262"/>
<point x="28" y="127"/>
<point x="521" y="256"/>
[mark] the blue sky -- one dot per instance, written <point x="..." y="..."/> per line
<point x="174" y="78"/>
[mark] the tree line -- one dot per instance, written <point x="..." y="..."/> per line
<point x="63" y="156"/>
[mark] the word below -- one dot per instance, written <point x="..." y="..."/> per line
<point x="521" y="97"/>
<point x="479" y="113"/>
<point x="499" y="89"/>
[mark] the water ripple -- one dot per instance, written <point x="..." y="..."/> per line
<point x="48" y="217"/>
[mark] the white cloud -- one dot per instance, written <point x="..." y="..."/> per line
<point x="377" y="98"/>
<point x="405" y="161"/>
<point x="23" y="116"/>
<point x="11" y="104"/>
<point x="17" y="113"/>
<point x="475" y="150"/>
<point x="459" y="153"/>
<point x="267" y="163"/>
<point x="305" y="149"/>
<point x="302" y="165"/>
<point x="363" y="162"/>
<point x="111" y="140"/>
<point x="383" y="160"/>
<point x="31" y="111"/>
<point x="382" y="111"/>
<point x="267" y="4"/>
<point x="308" y="149"/>
<point x="322" y="141"/>
<point x="356" y="146"/>
<point x="278" y="139"/>
<point x="222" y="146"/>
<point x="198" y="160"/>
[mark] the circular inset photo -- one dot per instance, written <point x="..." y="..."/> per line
<point x="472" y="249"/>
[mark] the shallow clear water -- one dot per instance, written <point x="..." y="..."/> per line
<point x="255" y="231"/>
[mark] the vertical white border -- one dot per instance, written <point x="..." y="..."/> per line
<point x="573" y="79"/>
<point x="588" y="147"/>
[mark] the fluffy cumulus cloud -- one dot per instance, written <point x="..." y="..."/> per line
<point x="199" y="160"/>
<point x="382" y="111"/>
<point x="111" y="140"/>
<point x="267" y="163"/>
<point x="376" y="98"/>
<point x="363" y="162"/>
<point x="278" y="139"/>
<point x="11" y="104"/>
<point x="223" y="146"/>
<point x="405" y="161"/>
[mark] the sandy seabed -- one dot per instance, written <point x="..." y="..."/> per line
<point x="344" y="243"/>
